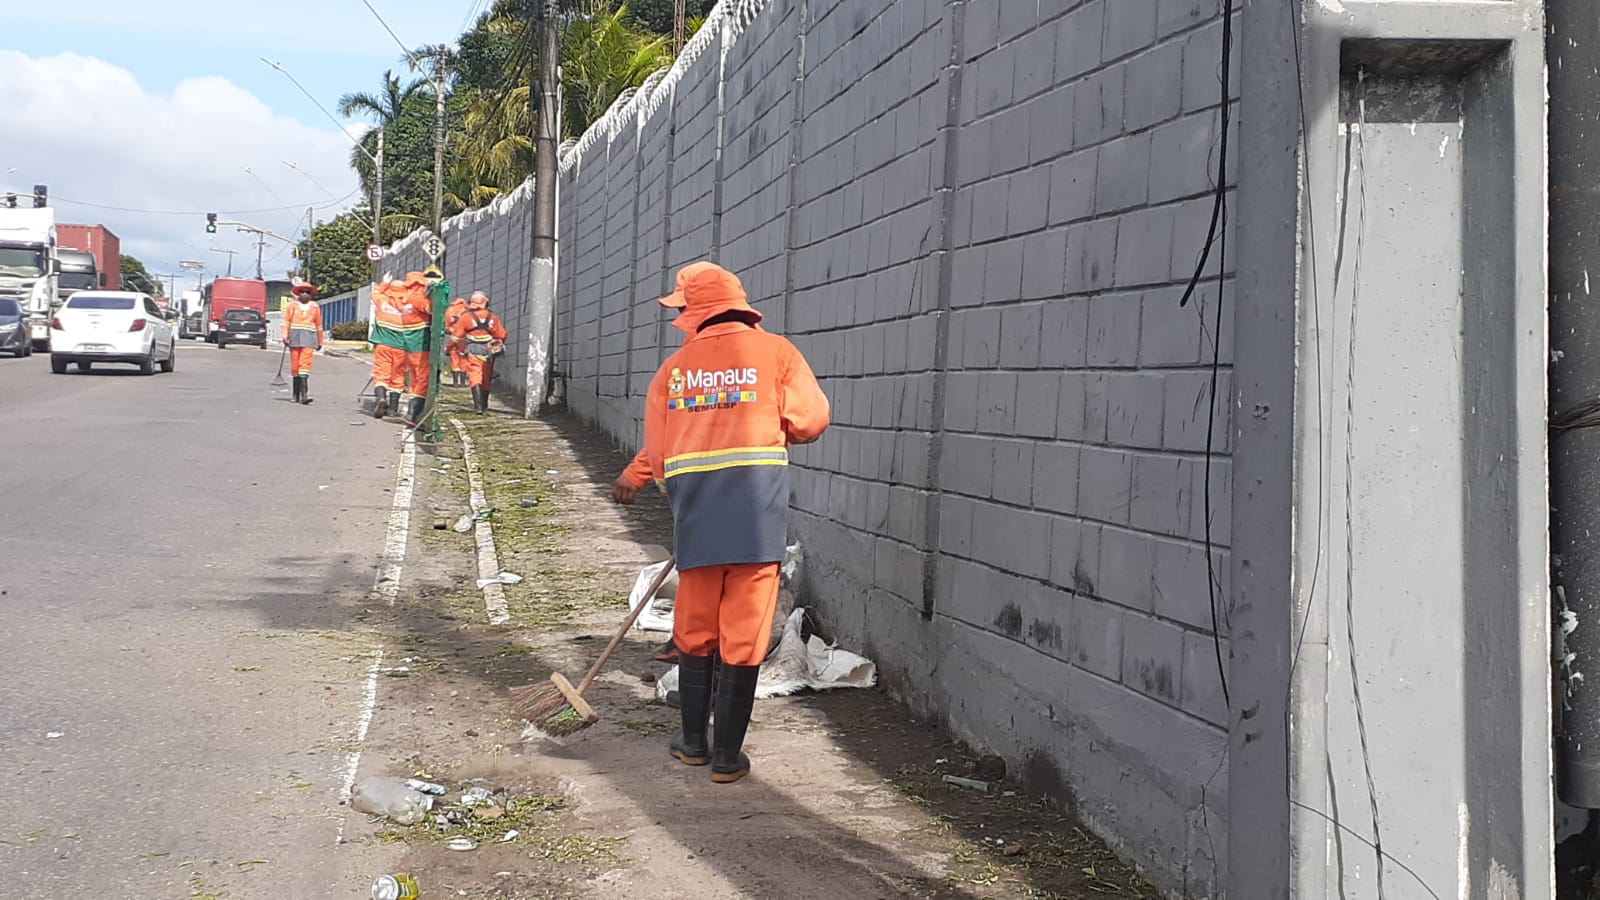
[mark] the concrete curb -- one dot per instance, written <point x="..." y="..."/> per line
<point x="494" y="593"/>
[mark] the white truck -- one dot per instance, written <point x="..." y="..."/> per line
<point x="29" y="267"/>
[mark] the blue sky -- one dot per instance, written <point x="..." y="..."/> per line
<point x="158" y="107"/>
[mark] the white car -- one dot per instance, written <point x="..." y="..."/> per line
<point x="112" y="326"/>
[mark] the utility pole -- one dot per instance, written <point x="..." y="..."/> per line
<point x="230" y="259"/>
<point x="261" y="246"/>
<point x="438" y="140"/>
<point x="679" y="26"/>
<point x="377" y="209"/>
<point x="541" y="319"/>
<point x="311" y="243"/>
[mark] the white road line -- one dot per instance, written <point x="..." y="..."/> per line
<point x="494" y="595"/>
<point x="386" y="586"/>
<point x="394" y="542"/>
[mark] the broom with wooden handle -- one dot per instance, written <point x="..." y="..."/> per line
<point x="555" y="706"/>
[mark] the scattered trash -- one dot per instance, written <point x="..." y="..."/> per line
<point x="322" y="487"/>
<point x="797" y="663"/>
<point x="401" y="886"/>
<point x="551" y="472"/>
<point x="530" y="502"/>
<point x="502" y="578"/>
<point x="464" y="524"/>
<point x="510" y="836"/>
<point x="359" y="424"/>
<point x="972" y="783"/>
<point x="426" y="787"/>
<point x="462" y="843"/>
<point x="476" y="796"/>
<point x="1012" y="850"/>
<point x="52" y="735"/>
<point x="390" y="798"/>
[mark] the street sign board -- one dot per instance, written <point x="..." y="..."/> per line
<point x="374" y="252"/>
<point x="190" y="264"/>
<point x="432" y="274"/>
<point x="433" y="246"/>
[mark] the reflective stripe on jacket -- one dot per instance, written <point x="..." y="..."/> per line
<point x="302" y="323"/>
<point x="719" y="417"/>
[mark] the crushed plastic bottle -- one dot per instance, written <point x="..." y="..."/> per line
<point x="387" y="797"/>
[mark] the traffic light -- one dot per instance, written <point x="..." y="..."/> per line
<point x="41" y="194"/>
<point x="211" y="223"/>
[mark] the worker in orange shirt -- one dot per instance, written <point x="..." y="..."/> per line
<point x="455" y="347"/>
<point x="302" y="335"/>
<point x="484" y="335"/>
<point x="718" y="420"/>
<point x="403" y="310"/>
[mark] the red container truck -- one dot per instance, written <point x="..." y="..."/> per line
<point x="102" y="244"/>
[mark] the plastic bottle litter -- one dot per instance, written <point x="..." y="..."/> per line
<point x="970" y="783"/>
<point x="390" y="798"/>
<point x="426" y="787"/>
<point x="464" y="524"/>
<point x="400" y="886"/>
<point x="462" y="843"/>
<point x="476" y="797"/>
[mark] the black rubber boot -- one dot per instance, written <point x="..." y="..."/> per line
<point x="305" y="389"/>
<point x="694" y="702"/>
<point x="736" y="696"/>
<point x="414" y="412"/>
<point x="294" y="389"/>
<point x="380" y="404"/>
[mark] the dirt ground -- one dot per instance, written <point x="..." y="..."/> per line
<point x="846" y="797"/>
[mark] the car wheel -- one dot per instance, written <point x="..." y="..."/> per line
<point x="171" y="362"/>
<point x="58" y="365"/>
<point x="147" y="366"/>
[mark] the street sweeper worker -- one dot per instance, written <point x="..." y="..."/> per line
<point x="719" y="417"/>
<point x="484" y="336"/>
<point x="400" y="337"/>
<point x="456" y="348"/>
<point x="302" y="335"/>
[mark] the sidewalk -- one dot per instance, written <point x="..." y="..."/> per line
<point x="846" y="798"/>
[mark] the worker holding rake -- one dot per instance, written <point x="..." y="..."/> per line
<point x="302" y="335"/>
<point x="719" y="417"/>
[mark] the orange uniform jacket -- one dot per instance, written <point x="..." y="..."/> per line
<point x="477" y="327"/>
<point x="719" y="417"/>
<point x="302" y="323"/>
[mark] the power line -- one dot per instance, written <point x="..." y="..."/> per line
<point x="189" y="212"/>
<point x="379" y="16"/>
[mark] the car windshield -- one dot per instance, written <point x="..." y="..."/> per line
<point x="9" y="307"/>
<point x="24" y="261"/>
<point x="99" y="301"/>
<point x="77" y="282"/>
<point x="242" y="315"/>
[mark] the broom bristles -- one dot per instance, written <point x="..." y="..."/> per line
<point x="536" y="701"/>
<point x="564" y="722"/>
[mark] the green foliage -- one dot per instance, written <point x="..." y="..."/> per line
<point x="337" y="252"/>
<point x="349" y="331"/>
<point x="656" y="15"/>
<point x="489" y="120"/>
<point x="135" y="277"/>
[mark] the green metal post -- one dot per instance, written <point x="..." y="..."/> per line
<point x="440" y="294"/>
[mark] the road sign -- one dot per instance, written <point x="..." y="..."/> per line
<point x="374" y="252"/>
<point x="433" y="275"/>
<point x="433" y="246"/>
<point x="190" y="264"/>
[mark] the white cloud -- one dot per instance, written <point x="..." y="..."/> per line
<point x="91" y="132"/>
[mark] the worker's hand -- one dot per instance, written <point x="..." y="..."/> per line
<point x="623" y="492"/>
<point x="796" y="441"/>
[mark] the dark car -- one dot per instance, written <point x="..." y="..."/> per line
<point x="14" y="329"/>
<point x="242" y="326"/>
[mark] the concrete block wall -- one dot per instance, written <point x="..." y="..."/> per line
<point x="976" y="219"/>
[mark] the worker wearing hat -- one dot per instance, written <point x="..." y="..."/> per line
<point x="484" y="335"/>
<point x="719" y="417"/>
<point x="302" y="335"/>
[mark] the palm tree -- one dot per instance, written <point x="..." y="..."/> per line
<point x="605" y="54"/>
<point x="382" y="109"/>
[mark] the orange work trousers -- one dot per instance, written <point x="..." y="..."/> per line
<point x="458" y="356"/>
<point x="480" y="370"/>
<point x="391" y="365"/>
<point x="300" y="359"/>
<point x="726" y="609"/>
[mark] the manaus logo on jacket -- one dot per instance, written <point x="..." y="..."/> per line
<point x="711" y="387"/>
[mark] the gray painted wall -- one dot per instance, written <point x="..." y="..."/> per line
<point x="976" y="218"/>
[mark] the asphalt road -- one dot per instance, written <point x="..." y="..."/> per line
<point x="184" y="561"/>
